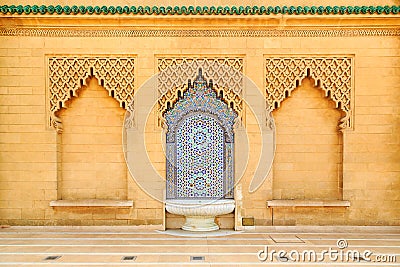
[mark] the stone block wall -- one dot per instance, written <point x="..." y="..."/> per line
<point x="308" y="158"/>
<point x="92" y="164"/>
<point x="313" y="159"/>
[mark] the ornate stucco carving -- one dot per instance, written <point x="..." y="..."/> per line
<point x="332" y="74"/>
<point x="225" y="72"/>
<point x="67" y="74"/>
<point x="379" y="30"/>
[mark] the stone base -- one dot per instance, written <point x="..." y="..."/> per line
<point x="200" y="224"/>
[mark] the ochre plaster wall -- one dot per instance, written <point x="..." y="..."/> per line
<point x="308" y="158"/>
<point x="92" y="163"/>
<point x="30" y="150"/>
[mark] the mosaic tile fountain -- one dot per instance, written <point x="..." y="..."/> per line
<point x="200" y="165"/>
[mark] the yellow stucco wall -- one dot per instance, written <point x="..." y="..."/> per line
<point x="308" y="158"/>
<point x="34" y="156"/>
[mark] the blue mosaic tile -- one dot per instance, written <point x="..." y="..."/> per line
<point x="200" y="145"/>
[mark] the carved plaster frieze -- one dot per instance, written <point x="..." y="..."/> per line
<point x="93" y="32"/>
<point x="67" y="74"/>
<point x="333" y="74"/>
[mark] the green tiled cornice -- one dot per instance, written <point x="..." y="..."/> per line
<point x="197" y="10"/>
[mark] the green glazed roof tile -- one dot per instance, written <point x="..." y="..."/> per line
<point x="192" y="10"/>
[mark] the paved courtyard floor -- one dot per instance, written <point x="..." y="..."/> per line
<point x="270" y="246"/>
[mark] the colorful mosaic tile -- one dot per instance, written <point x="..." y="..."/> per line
<point x="200" y="144"/>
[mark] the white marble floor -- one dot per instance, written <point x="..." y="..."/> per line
<point x="114" y="246"/>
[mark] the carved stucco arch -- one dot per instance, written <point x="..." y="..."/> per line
<point x="67" y="74"/>
<point x="334" y="75"/>
<point x="225" y="72"/>
<point x="169" y="98"/>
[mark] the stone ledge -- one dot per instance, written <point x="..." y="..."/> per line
<point x="307" y="203"/>
<point x="91" y="203"/>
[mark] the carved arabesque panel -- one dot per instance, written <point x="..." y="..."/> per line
<point x="68" y="74"/>
<point x="226" y="73"/>
<point x="333" y="74"/>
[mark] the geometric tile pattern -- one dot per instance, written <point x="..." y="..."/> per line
<point x="200" y="158"/>
<point x="200" y="144"/>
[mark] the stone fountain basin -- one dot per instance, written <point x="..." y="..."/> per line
<point x="200" y="214"/>
<point x="190" y="207"/>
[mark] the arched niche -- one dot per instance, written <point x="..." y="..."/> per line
<point x="200" y="144"/>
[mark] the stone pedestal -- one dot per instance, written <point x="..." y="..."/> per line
<point x="200" y="224"/>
